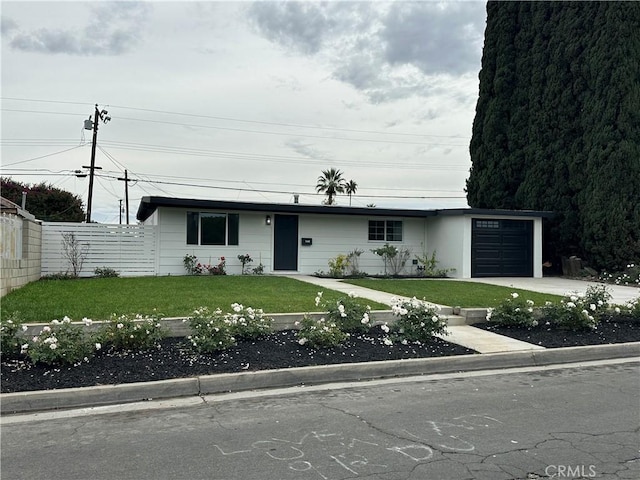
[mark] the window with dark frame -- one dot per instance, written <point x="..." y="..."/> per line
<point x="212" y="228"/>
<point x="385" y="230"/>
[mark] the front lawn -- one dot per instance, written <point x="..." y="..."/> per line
<point x="452" y="292"/>
<point x="98" y="298"/>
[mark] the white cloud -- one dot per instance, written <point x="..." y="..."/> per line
<point x="114" y="29"/>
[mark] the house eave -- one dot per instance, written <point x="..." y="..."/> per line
<point x="148" y="205"/>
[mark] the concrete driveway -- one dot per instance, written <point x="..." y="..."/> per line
<point x="560" y="286"/>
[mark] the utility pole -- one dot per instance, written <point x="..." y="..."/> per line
<point x="88" y="125"/>
<point x="126" y="181"/>
<point x="120" y="210"/>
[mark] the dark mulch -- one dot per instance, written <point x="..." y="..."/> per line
<point x="612" y="330"/>
<point x="176" y="360"/>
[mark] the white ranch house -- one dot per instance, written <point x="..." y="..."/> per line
<point x="299" y="238"/>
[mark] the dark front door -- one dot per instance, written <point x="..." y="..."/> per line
<point x="285" y="242"/>
<point x="501" y="248"/>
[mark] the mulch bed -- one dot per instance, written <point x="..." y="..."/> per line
<point x="612" y="330"/>
<point x="175" y="359"/>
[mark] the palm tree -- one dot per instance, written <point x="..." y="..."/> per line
<point x="330" y="183"/>
<point x="350" y="189"/>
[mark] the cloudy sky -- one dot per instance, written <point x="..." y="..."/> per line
<point x="245" y="101"/>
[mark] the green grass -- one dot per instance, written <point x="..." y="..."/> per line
<point x="98" y="298"/>
<point x="452" y="292"/>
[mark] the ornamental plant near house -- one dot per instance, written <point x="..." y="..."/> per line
<point x="338" y="266"/>
<point x="132" y="332"/>
<point x="349" y="314"/>
<point x="210" y="331"/>
<point x="218" y="269"/>
<point x="631" y="309"/>
<point x="9" y="327"/>
<point x="394" y="258"/>
<point x="573" y="313"/>
<point x="60" y="342"/>
<point x="320" y="333"/>
<point x="513" y="311"/>
<point x="248" y="323"/>
<point x="418" y="320"/>
<point x="191" y="264"/>
<point x="105" y="272"/>
<point x="245" y="260"/>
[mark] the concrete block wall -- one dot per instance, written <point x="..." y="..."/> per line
<point x="16" y="273"/>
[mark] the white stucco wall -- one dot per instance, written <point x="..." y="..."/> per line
<point x="450" y="237"/>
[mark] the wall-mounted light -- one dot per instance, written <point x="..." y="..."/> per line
<point x="267" y="220"/>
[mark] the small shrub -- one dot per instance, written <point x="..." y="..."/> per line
<point x="105" y="272"/>
<point x="349" y="314"/>
<point x="338" y="266"/>
<point x="210" y="331"/>
<point x="320" y="333"/>
<point x="60" y="342"/>
<point x="418" y="321"/>
<point x="598" y="295"/>
<point x="393" y="257"/>
<point x="132" y="332"/>
<point x="513" y="311"/>
<point x="259" y="270"/>
<point x="10" y="325"/>
<point x="631" y="309"/>
<point x="245" y="260"/>
<point x="191" y="264"/>
<point x="629" y="276"/>
<point x="59" y="276"/>
<point x="74" y="251"/>
<point x="430" y="265"/>
<point x="573" y="313"/>
<point x="248" y="323"/>
<point x="353" y="258"/>
<point x="217" y="269"/>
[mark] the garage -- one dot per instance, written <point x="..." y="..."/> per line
<point x="501" y="248"/>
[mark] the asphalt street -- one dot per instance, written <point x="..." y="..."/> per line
<point x="577" y="421"/>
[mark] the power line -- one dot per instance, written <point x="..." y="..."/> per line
<point x="260" y="122"/>
<point x="43" y="156"/>
<point x="290" y="134"/>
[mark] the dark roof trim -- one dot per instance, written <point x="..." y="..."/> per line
<point x="494" y="212"/>
<point x="148" y="205"/>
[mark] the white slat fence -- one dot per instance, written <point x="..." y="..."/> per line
<point x="128" y="249"/>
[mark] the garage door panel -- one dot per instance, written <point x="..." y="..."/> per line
<point x="502" y="248"/>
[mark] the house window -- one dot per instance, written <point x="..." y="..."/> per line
<point x="206" y="228"/>
<point x="385" y="230"/>
<point x="487" y="224"/>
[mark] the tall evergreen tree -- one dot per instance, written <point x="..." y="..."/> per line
<point x="557" y="124"/>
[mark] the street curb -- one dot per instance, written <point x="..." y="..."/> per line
<point x="23" y="402"/>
